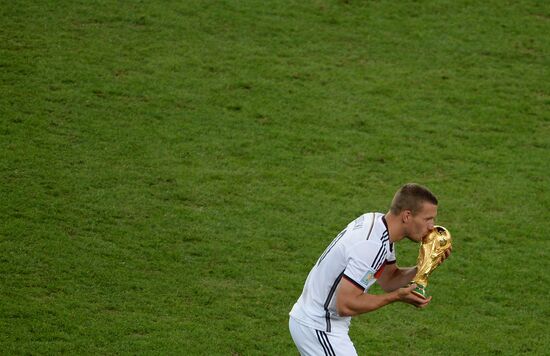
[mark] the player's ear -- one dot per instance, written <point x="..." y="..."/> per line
<point x="406" y="215"/>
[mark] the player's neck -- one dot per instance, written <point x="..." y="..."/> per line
<point x="395" y="228"/>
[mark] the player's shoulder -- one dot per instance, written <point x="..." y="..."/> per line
<point x="366" y="220"/>
<point x="361" y="229"/>
<point x="369" y="223"/>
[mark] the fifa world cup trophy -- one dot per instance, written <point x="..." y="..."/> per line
<point x="432" y="251"/>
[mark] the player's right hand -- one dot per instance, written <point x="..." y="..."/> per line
<point x="406" y="295"/>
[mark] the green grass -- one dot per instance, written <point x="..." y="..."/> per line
<point x="170" y="171"/>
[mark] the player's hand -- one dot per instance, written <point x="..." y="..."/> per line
<point x="406" y="295"/>
<point x="446" y="255"/>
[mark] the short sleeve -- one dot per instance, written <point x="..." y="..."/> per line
<point x="363" y="260"/>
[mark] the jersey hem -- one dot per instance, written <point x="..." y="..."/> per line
<point x="315" y="327"/>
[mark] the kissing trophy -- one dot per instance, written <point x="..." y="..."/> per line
<point x="432" y="251"/>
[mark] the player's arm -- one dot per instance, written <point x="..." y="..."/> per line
<point x="351" y="299"/>
<point x="394" y="277"/>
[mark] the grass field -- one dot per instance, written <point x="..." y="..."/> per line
<point x="171" y="170"/>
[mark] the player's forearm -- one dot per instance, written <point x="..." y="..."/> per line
<point x="400" y="277"/>
<point x="365" y="303"/>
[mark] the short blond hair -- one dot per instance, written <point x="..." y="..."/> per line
<point x="411" y="196"/>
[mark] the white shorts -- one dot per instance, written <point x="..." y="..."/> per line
<point x="311" y="342"/>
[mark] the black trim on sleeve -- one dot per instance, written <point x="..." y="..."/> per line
<point x="354" y="282"/>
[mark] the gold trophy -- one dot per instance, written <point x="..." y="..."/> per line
<point x="432" y="251"/>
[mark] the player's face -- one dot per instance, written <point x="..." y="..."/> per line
<point x="422" y="222"/>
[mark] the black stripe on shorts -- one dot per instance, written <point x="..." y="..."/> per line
<point x="325" y="343"/>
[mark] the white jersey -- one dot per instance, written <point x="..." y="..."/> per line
<point x="359" y="254"/>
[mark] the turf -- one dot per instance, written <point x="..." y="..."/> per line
<point x="171" y="170"/>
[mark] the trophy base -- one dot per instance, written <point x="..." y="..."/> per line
<point x="420" y="290"/>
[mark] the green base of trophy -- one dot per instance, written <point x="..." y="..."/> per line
<point x="420" y="291"/>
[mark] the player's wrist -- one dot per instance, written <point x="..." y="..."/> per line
<point x="393" y="296"/>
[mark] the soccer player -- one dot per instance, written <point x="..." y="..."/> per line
<point x="363" y="253"/>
